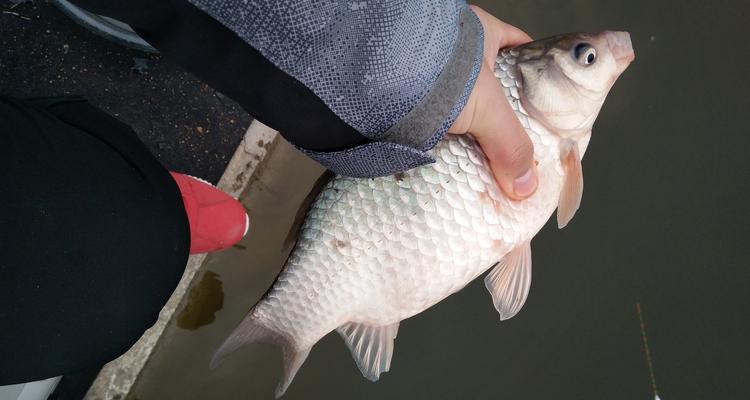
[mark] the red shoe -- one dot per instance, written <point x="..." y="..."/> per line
<point x="217" y="221"/>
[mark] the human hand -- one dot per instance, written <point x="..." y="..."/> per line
<point x="487" y="115"/>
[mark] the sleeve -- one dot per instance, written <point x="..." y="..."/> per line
<point x="366" y="88"/>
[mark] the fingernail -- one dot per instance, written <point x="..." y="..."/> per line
<point x="526" y="184"/>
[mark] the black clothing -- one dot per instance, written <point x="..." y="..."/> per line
<point x="93" y="239"/>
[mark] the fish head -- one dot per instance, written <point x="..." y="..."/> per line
<point x="566" y="78"/>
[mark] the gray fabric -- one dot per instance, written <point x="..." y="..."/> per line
<point x="461" y="101"/>
<point x="371" y="62"/>
<point x="384" y="158"/>
<point x="372" y="159"/>
<point x="428" y="115"/>
<point x="399" y="72"/>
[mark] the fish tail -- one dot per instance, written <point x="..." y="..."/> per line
<point x="251" y="330"/>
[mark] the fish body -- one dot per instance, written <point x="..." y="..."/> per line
<point x="373" y="252"/>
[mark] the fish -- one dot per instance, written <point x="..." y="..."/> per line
<point x="373" y="252"/>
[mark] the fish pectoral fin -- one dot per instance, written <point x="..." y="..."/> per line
<point x="371" y="346"/>
<point x="570" y="197"/>
<point x="510" y="280"/>
<point x="250" y="330"/>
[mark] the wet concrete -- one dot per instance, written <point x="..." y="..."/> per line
<point x="663" y="224"/>
<point x="281" y="184"/>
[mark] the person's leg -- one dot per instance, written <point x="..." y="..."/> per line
<point x="94" y="237"/>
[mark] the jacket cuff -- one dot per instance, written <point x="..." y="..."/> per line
<point x="405" y="145"/>
<point x="427" y="123"/>
<point x="371" y="159"/>
<point x="476" y="43"/>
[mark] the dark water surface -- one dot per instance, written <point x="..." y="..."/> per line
<point x="663" y="223"/>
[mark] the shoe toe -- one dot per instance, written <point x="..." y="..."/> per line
<point x="217" y="221"/>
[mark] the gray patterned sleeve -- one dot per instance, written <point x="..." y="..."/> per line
<point x="399" y="72"/>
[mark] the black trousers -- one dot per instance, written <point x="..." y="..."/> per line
<point x="93" y="237"/>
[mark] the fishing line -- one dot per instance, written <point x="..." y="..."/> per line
<point x="648" y="352"/>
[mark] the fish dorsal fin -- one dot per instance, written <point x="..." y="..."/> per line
<point x="371" y="346"/>
<point x="572" y="190"/>
<point x="510" y="280"/>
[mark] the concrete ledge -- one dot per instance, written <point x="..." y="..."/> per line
<point x="117" y="377"/>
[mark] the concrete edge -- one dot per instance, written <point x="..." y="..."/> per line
<point x="118" y="376"/>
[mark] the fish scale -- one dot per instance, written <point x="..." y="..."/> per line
<point x="373" y="252"/>
<point x="417" y="279"/>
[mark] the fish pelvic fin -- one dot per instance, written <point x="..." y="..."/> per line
<point x="509" y="282"/>
<point x="572" y="191"/>
<point x="252" y="330"/>
<point x="371" y="346"/>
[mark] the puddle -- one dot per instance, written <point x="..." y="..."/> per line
<point x="203" y="301"/>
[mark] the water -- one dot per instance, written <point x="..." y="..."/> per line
<point x="663" y="223"/>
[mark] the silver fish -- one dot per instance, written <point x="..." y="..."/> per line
<point x="373" y="252"/>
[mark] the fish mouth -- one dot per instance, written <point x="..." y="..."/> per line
<point x="621" y="48"/>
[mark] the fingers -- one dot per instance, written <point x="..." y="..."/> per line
<point x="488" y="116"/>
<point x="503" y="139"/>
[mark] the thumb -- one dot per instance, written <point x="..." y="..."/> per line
<point x="503" y="140"/>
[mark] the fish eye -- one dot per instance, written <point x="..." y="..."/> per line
<point x="585" y="54"/>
